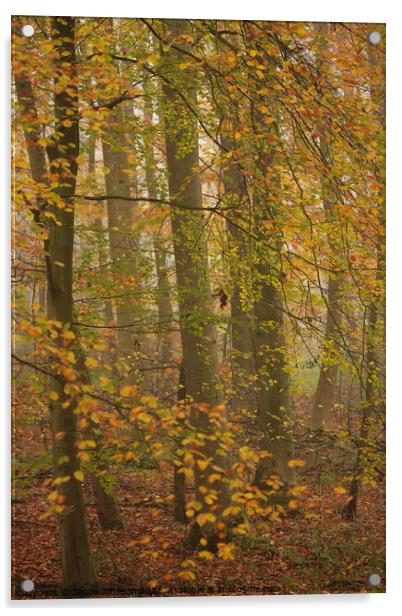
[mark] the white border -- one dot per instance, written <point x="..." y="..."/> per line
<point x="294" y="10"/>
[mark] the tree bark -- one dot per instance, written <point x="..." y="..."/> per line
<point x="123" y="253"/>
<point x="165" y="309"/>
<point x="325" y="394"/>
<point x="100" y="230"/>
<point x="107" y="508"/>
<point x="179" y="479"/>
<point x="242" y="343"/>
<point x="123" y="243"/>
<point x="78" y="567"/>
<point x="198" y="331"/>
<point x="374" y="404"/>
<point x="326" y="388"/>
<point x="273" y="403"/>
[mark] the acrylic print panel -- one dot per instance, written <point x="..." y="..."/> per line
<point x="198" y="302"/>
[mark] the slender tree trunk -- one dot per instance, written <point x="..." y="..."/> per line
<point x="198" y="331"/>
<point x="242" y="344"/>
<point x="325" y="393"/>
<point x="273" y="402"/>
<point x="374" y="405"/>
<point x="100" y="230"/>
<point x="123" y="243"/>
<point x="107" y="508"/>
<point x="165" y="309"/>
<point x="123" y="252"/>
<point x="78" y="566"/>
<point x="179" y="479"/>
<point x="273" y="405"/>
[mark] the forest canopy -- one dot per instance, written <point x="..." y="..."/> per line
<point x="198" y="306"/>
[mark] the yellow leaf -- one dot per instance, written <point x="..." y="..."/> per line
<point x="100" y="346"/>
<point x="128" y="390"/>
<point x="84" y="456"/>
<point x="150" y="401"/>
<point x="54" y="395"/>
<point x="53" y="496"/>
<point x="295" y="463"/>
<point x="86" y="444"/>
<point x="70" y="357"/>
<point x="68" y="335"/>
<point x="202" y="464"/>
<point x="225" y="551"/>
<point x="231" y="511"/>
<point x="33" y="331"/>
<point x="79" y="475"/>
<point x="340" y="490"/>
<point x="207" y="555"/>
<point x="203" y="518"/>
<point x="91" y="362"/>
<point x="187" y="575"/>
<point x="59" y="480"/>
<point x="145" y="417"/>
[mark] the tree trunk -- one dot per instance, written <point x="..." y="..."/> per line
<point x="325" y="394"/>
<point x="100" y="230"/>
<point x="107" y="508"/>
<point x="78" y="567"/>
<point x="77" y="563"/>
<point x="273" y="403"/>
<point x="198" y="331"/>
<point x="123" y="253"/>
<point x="179" y="479"/>
<point x="165" y="309"/>
<point x="242" y="344"/>
<point x="375" y="359"/>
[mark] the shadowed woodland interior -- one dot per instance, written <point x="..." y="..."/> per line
<point x="198" y="307"/>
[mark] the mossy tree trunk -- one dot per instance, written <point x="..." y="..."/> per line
<point x="274" y="415"/>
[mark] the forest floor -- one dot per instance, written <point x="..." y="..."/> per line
<point x="295" y="555"/>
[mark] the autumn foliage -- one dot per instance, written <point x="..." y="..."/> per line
<point x="198" y="307"/>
